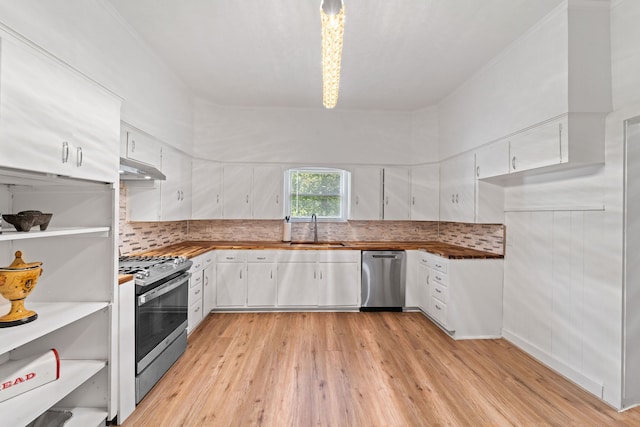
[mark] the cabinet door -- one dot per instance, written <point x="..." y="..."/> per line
<point x="268" y="184"/>
<point x="366" y="194"/>
<point x="236" y="184"/>
<point x="411" y="286"/>
<point x="231" y="282"/>
<point x="339" y="284"/>
<point x="176" y="190"/>
<point x="536" y="148"/>
<point x="396" y="194"/>
<point x="492" y="160"/>
<point x="261" y="284"/>
<point x="209" y="289"/>
<point x="457" y="189"/>
<point x="37" y="102"/>
<point x="143" y="148"/>
<point x="297" y="284"/>
<point x="423" y="287"/>
<point x="143" y="201"/>
<point x="425" y="198"/>
<point x="206" y="190"/>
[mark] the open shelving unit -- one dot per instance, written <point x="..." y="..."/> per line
<point x="51" y="232"/>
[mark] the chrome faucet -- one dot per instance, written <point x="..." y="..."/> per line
<point x="314" y="219"/>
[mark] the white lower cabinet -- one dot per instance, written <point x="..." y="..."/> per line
<point x="339" y="278"/>
<point x="297" y="284"/>
<point x="465" y="296"/>
<point x="262" y="270"/>
<point x="209" y="286"/>
<point x="199" y="290"/>
<point x="417" y="281"/>
<point x="231" y="279"/>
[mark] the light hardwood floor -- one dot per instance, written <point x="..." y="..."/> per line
<point x="359" y="369"/>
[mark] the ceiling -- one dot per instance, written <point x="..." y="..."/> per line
<point x="397" y="55"/>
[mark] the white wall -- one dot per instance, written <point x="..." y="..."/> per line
<point x="563" y="264"/>
<point x="88" y="35"/>
<point x="314" y="136"/>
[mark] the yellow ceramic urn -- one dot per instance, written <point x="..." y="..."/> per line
<point x="16" y="283"/>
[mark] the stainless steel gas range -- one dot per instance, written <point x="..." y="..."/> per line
<point x="162" y="289"/>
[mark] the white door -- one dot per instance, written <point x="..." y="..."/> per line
<point x="425" y="197"/>
<point x="231" y="284"/>
<point x="339" y="284"/>
<point x="172" y="194"/>
<point x="297" y="284"/>
<point x="396" y="194"/>
<point x="366" y="194"/>
<point x="268" y="184"/>
<point x="236" y="184"/>
<point x="206" y="190"/>
<point x="536" y="148"/>
<point x="143" y="148"/>
<point x="261" y="284"/>
<point x="493" y="160"/>
<point x="209" y="290"/>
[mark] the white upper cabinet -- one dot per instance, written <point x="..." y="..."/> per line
<point x="176" y="190"/>
<point x="425" y="193"/>
<point x="538" y="147"/>
<point x="457" y="189"/>
<point x="268" y="185"/>
<point x="396" y="193"/>
<point x="56" y="120"/>
<point x="206" y="190"/>
<point x="143" y="148"/>
<point x="493" y="160"/>
<point x="236" y="185"/>
<point x="366" y="193"/>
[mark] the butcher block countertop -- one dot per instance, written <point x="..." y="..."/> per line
<point x="192" y="249"/>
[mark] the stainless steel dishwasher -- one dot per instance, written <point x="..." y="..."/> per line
<point x="383" y="280"/>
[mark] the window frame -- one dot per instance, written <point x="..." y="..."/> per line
<point x="345" y="187"/>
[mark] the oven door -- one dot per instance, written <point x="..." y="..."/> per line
<point x="161" y="316"/>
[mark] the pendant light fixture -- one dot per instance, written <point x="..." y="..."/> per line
<point x="332" y="19"/>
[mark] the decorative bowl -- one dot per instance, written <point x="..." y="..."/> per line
<point x="23" y="221"/>
<point x="16" y="283"/>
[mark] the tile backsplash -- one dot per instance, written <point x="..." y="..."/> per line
<point x="141" y="236"/>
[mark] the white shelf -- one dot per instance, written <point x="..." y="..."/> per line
<point x="51" y="316"/>
<point x="85" y="417"/>
<point x="35" y="232"/>
<point x="26" y="407"/>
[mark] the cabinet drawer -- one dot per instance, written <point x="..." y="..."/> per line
<point x="195" y="294"/>
<point x="339" y="256"/>
<point x="440" y="264"/>
<point x="231" y="256"/>
<point x="194" y="315"/>
<point x="198" y="264"/>
<point x="196" y="279"/>
<point x="298" y="256"/>
<point x="207" y="259"/>
<point x="438" y="277"/>
<point x="438" y="310"/>
<point x="440" y="292"/>
<point x="262" y="256"/>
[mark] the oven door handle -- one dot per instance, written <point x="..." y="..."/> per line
<point x="163" y="289"/>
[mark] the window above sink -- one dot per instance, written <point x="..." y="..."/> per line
<point x="320" y="191"/>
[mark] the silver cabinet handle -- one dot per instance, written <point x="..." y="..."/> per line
<point x="386" y="200"/>
<point x="438" y="278"/>
<point x="217" y="198"/>
<point x="478" y="171"/>
<point x="197" y="291"/>
<point x="197" y="309"/>
<point x="241" y="274"/>
<point x="65" y="151"/>
<point x="357" y="200"/>
<point x="229" y="257"/>
<point x="247" y="199"/>
<point x="271" y="274"/>
<point x="413" y="200"/>
<point x="178" y="195"/>
<point x="321" y="275"/>
<point x="133" y="145"/>
<point x="513" y="162"/>
<point x="79" y="157"/>
<point x="261" y="257"/>
<point x="438" y="307"/>
<point x="314" y="275"/>
<point x="453" y="198"/>
<point x="206" y="280"/>
<point x="456" y="197"/>
<point x="428" y="279"/>
<point x="438" y="291"/>
<point x="277" y="199"/>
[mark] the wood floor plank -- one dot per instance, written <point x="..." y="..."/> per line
<point x="359" y="369"/>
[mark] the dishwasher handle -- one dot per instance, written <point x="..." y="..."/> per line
<point x="385" y="256"/>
